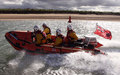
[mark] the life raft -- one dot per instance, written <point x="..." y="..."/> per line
<point x="23" y="40"/>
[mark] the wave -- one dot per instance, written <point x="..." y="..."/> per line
<point x="65" y="64"/>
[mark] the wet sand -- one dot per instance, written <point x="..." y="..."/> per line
<point x="59" y="16"/>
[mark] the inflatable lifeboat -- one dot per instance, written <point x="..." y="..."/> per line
<point x="23" y="40"/>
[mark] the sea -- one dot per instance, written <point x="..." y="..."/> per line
<point x="14" y="62"/>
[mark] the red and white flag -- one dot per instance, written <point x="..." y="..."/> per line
<point x="103" y="32"/>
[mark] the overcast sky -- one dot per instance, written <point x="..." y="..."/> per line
<point x="94" y="5"/>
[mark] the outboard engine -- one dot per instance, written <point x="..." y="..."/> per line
<point x="90" y="42"/>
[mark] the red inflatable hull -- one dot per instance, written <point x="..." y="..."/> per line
<point x="23" y="40"/>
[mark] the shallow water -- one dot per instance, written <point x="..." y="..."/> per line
<point x="13" y="62"/>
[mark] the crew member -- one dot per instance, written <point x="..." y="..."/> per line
<point x="71" y="36"/>
<point x="47" y="30"/>
<point x="40" y="38"/>
<point x="36" y="28"/>
<point x="59" y="38"/>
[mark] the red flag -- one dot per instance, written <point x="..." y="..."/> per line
<point x="103" y="32"/>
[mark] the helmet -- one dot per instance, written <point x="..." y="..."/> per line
<point x="44" y="25"/>
<point x="58" y="31"/>
<point x="69" y="27"/>
<point x="36" y="28"/>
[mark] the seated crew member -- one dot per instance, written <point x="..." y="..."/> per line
<point x="39" y="36"/>
<point x="36" y="28"/>
<point x="47" y="30"/>
<point x="59" y="38"/>
<point x="71" y="36"/>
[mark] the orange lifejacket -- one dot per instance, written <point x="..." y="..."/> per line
<point x="48" y="33"/>
<point x="71" y="36"/>
<point x="40" y="37"/>
<point x="59" y="40"/>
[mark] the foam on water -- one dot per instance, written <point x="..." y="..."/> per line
<point x="74" y="63"/>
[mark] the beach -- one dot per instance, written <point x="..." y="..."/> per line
<point x="59" y="16"/>
<point x="79" y="63"/>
